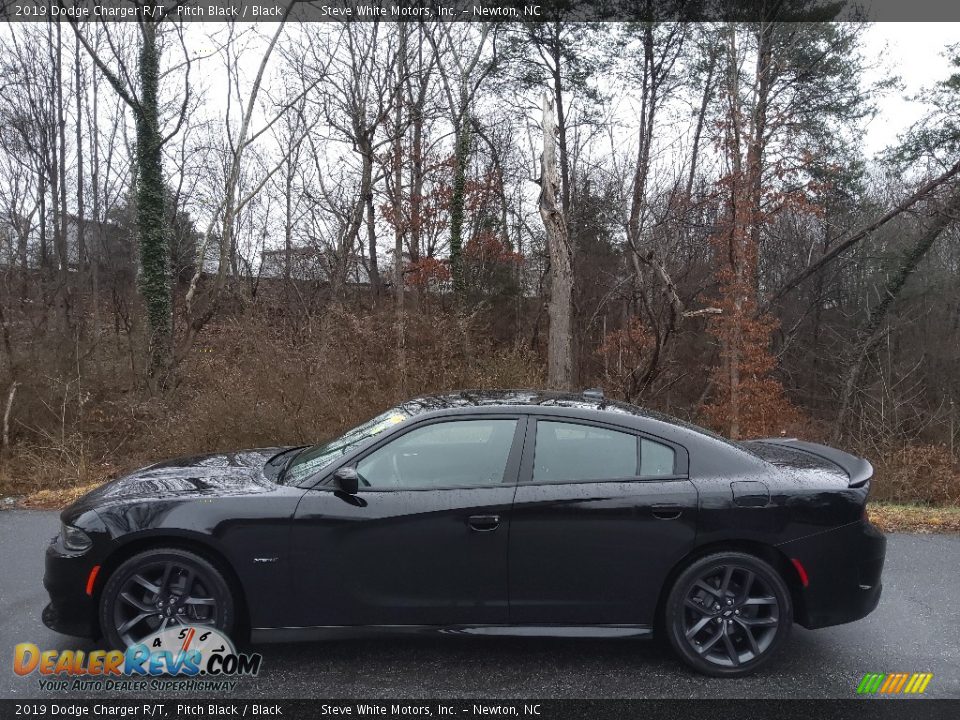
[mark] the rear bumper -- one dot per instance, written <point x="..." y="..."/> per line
<point x="844" y="568"/>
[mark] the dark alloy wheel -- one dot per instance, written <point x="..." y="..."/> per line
<point x="163" y="588"/>
<point x="728" y="613"/>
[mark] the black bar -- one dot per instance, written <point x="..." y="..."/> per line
<point x="479" y="10"/>
<point x="532" y="709"/>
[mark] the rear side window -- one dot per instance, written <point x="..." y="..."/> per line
<point x="567" y="452"/>
<point x="656" y="459"/>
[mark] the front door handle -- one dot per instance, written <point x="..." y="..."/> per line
<point x="483" y="523"/>
<point x="666" y="512"/>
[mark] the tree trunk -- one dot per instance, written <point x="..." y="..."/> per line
<point x="151" y="217"/>
<point x="287" y="229"/>
<point x="560" y="359"/>
<point x="461" y="158"/>
<point x="398" y="220"/>
<point x="366" y="208"/>
<point x="81" y="209"/>
<point x="58" y="160"/>
<point x="698" y="131"/>
<point x="372" y="243"/>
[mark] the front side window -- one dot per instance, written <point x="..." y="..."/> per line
<point x="456" y="453"/>
<point x="568" y="452"/>
<point x="313" y="459"/>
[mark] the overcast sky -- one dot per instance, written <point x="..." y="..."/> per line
<point x="914" y="51"/>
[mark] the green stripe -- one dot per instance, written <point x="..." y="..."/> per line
<point x="870" y="683"/>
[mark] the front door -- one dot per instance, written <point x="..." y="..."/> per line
<point x="424" y="541"/>
<point x="601" y="515"/>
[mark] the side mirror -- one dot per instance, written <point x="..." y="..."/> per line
<point x="347" y="480"/>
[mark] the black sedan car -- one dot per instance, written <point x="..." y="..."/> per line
<point x="483" y="513"/>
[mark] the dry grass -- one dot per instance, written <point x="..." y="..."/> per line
<point x="914" y="518"/>
<point x="55" y="499"/>
<point x="916" y="474"/>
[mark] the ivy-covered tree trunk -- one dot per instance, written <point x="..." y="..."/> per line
<point x="152" y="231"/>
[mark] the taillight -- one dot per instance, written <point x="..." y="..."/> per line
<point x="801" y="571"/>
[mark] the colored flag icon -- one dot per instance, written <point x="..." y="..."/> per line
<point x="894" y="683"/>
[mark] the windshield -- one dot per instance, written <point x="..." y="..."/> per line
<point x="312" y="459"/>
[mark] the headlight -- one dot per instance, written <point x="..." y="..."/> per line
<point x="74" y="539"/>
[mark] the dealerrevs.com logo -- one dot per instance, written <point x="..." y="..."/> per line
<point x="187" y="657"/>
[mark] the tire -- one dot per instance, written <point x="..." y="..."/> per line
<point x="728" y="614"/>
<point x="163" y="586"/>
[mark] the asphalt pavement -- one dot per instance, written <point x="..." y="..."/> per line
<point x="916" y="628"/>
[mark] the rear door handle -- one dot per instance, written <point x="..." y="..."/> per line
<point x="483" y="523"/>
<point x="666" y="512"/>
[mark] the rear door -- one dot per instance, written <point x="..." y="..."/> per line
<point x="424" y="541"/>
<point x="600" y="516"/>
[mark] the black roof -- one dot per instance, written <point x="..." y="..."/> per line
<point x="590" y="400"/>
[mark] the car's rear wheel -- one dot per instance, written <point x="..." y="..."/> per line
<point x="163" y="588"/>
<point x="728" y="613"/>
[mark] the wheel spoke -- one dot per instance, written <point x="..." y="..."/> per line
<point x="165" y="580"/>
<point x="696" y="607"/>
<point x="188" y="583"/>
<point x="747" y="584"/>
<point x="725" y="584"/>
<point x="758" y="622"/>
<point x="700" y="624"/>
<point x="708" y="588"/>
<point x="122" y="630"/>
<point x="149" y="586"/>
<point x="711" y="642"/>
<point x="751" y="640"/>
<point x="199" y="601"/>
<point x="728" y="642"/>
<point x="765" y="600"/>
<point x="141" y="606"/>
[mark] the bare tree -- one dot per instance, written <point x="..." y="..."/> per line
<point x="560" y="367"/>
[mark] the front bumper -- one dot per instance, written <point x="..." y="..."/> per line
<point x="71" y="611"/>
<point x="844" y="568"/>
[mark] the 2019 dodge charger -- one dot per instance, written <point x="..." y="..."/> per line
<point x="486" y="513"/>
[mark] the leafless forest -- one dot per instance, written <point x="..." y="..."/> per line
<point x="217" y="236"/>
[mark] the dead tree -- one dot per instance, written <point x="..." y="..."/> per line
<point x="560" y="359"/>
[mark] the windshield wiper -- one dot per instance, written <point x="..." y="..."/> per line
<point x="286" y="466"/>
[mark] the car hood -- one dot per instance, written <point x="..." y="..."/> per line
<point x="215" y="474"/>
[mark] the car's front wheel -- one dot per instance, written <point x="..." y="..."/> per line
<point x="728" y="613"/>
<point x="162" y="588"/>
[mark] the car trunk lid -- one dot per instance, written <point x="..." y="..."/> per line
<point x="813" y="456"/>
